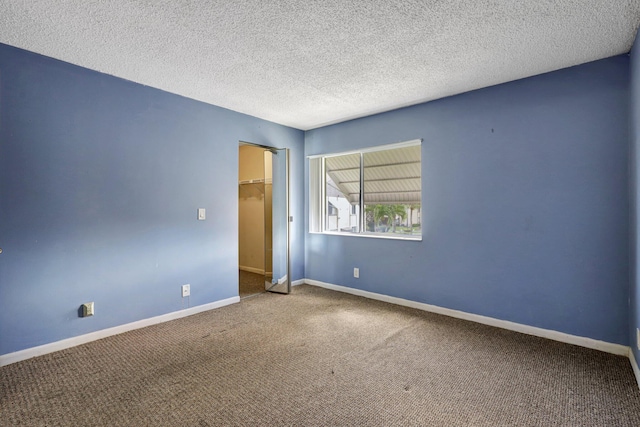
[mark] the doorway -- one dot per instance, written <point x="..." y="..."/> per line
<point x="263" y="220"/>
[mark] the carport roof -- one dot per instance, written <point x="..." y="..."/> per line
<point x="390" y="176"/>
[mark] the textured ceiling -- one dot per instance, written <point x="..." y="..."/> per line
<point x="310" y="63"/>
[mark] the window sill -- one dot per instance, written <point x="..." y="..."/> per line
<point x="371" y="235"/>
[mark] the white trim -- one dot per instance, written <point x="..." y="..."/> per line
<point x="315" y="195"/>
<point x="410" y="143"/>
<point x="7" y="359"/>
<point x="251" y="269"/>
<point x="634" y="366"/>
<point x="604" y="346"/>
<point x="298" y="282"/>
<point x="370" y="235"/>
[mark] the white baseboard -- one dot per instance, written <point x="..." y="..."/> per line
<point x="634" y="366"/>
<point x="251" y="269"/>
<point x="7" y="359"/>
<point x="607" y="347"/>
<point x="298" y="282"/>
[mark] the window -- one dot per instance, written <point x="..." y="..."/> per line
<point x="374" y="192"/>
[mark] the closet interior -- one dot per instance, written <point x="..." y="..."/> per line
<point x="255" y="219"/>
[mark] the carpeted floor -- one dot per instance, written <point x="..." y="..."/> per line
<point x="251" y="284"/>
<point x="320" y="358"/>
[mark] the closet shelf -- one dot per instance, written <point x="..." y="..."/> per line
<point x="254" y="181"/>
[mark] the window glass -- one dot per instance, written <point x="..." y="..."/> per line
<point x="392" y="187"/>
<point x="372" y="192"/>
<point x="342" y="193"/>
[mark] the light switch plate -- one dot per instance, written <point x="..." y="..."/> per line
<point x="202" y="214"/>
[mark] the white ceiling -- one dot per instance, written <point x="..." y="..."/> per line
<point x="310" y="63"/>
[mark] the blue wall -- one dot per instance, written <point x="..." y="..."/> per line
<point x="525" y="203"/>
<point x="525" y="189"/>
<point x="100" y="180"/>
<point x="634" y="318"/>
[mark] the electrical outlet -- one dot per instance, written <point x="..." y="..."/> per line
<point x="88" y="309"/>
<point x="638" y="338"/>
<point x="186" y="290"/>
<point x="356" y="272"/>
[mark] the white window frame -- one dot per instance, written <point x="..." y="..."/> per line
<point x="317" y="202"/>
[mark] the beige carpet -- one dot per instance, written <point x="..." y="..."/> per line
<point x="320" y="358"/>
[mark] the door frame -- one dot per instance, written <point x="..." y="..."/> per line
<point x="287" y="289"/>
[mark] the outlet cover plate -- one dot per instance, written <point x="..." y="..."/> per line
<point x="356" y="272"/>
<point x="186" y="290"/>
<point x="88" y="309"/>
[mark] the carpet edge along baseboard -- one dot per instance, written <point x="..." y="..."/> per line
<point x="28" y="353"/>
<point x="607" y="347"/>
<point x="604" y="346"/>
